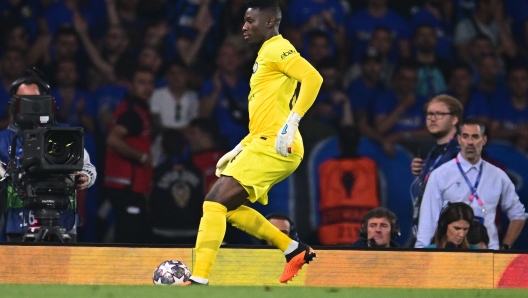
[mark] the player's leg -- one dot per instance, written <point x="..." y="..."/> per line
<point x="226" y="194"/>
<point x="252" y="222"/>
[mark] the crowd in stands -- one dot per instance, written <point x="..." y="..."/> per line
<point x="381" y="61"/>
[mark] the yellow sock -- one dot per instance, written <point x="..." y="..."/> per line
<point x="210" y="235"/>
<point x="252" y="222"/>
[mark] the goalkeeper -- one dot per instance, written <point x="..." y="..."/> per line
<point x="272" y="150"/>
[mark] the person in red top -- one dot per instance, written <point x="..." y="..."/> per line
<point x="128" y="171"/>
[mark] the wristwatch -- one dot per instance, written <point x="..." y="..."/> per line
<point x="505" y="247"/>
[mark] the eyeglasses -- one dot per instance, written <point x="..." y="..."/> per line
<point x="436" y="115"/>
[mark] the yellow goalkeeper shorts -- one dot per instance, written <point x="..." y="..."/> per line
<point x="258" y="167"/>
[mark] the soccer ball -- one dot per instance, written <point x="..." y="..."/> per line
<point x="171" y="273"/>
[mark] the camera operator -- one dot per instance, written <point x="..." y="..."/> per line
<point x="17" y="218"/>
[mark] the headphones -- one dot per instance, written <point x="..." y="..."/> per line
<point x="442" y="222"/>
<point x="31" y="76"/>
<point x="293" y="232"/>
<point x="379" y="213"/>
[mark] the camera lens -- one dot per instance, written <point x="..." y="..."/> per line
<point x="60" y="148"/>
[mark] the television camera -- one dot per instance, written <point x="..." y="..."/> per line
<point x="43" y="174"/>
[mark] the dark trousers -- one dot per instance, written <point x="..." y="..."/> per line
<point x="130" y="208"/>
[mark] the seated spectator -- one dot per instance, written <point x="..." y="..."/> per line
<point x="478" y="235"/>
<point x="398" y="114"/>
<point x="360" y="26"/>
<point x="509" y="112"/>
<point x="488" y="20"/>
<point x="379" y="229"/>
<point x="433" y="70"/>
<point x="319" y="47"/>
<point x="437" y="13"/>
<point x="223" y="97"/>
<point x="173" y="106"/>
<point x="11" y="65"/>
<point x="453" y="226"/>
<point x="177" y="192"/>
<point x="491" y="81"/>
<point x="284" y="223"/>
<point x="461" y="87"/>
<point x="203" y="137"/>
<point x="332" y="106"/>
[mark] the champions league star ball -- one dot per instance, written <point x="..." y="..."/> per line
<point x="171" y="273"/>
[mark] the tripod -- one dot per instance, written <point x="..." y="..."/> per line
<point x="47" y="228"/>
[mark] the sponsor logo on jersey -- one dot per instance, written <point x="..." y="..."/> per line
<point x="287" y="53"/>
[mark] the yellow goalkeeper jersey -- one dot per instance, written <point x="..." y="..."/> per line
<point x="274" y="90"/>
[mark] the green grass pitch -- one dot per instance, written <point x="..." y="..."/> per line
<point x="78" y="291"/>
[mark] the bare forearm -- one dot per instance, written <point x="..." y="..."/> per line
<point x="122" y="148"/>
<point x="386" y="123"/>
<point x="207" y="104"/>
<point x="514" y="230"/>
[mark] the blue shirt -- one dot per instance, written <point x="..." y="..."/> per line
<point x="363" y="97"/>
<point x="412" y="119"/>
<point x="447" y="184"/>
<point x="503" y="110"/>
<point x="234" y="131"/>
<point x="359" y="28"/>
<point x="477" y="105"/>
<point x="444" y="31"/>
<point x="300" y="12"/>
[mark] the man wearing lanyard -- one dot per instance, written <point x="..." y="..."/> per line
<point x="442" y="114"/>
<point x="471" y="180"/>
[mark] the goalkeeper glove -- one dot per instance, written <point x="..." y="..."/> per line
<point x="286" y="134"/>
<point x="224" y="160"/>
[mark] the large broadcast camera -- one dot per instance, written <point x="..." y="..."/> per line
<point x="43" y="175"/>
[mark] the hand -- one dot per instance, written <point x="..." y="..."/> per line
<point x="417" y="166"/>
<point x="217" y="81"/>
<point x="81" y="180"/>
<point x="389" y="149"/>
<point x="224" y="160"/>
<point x="286" y="134"/>
<point x="339" y="97"/>
<point x="408" y="101"/>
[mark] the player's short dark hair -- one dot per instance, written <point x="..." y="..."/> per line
<point x="273" y="6"/>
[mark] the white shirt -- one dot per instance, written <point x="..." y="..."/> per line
<point x="446" y="184"/>
<point x="163" y="103"/>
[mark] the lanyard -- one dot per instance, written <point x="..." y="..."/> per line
<point x="431" y="168"/>
<point x="473" y="189"/>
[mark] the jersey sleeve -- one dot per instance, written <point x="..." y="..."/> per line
<point x="310" y="79"/>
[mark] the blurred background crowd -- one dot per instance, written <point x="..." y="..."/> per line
<point x="381" y="61"/>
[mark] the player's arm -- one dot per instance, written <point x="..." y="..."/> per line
<point x="129" y="123"/>
<point x="311" y="81"/>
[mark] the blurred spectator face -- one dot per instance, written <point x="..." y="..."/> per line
<point x="142" y="84"/>
<point x="199" y="140"/>
<point x="371" y="70"/>
<point x="228" y="59"/>
<point x="295" y="36"/>
<point x="381" y="40"/>
<point x="377" y="3"/>
<point x="457" y="231"/>
<point x="481" y="47"/>
<point x="518" y="82"/>
<point x="11" y="64"/>
<point x="461" y="81"/>
<point x="66" y="46"/>
<point x="177" y="77"/>
<point x="439" y="125"/>
<point x="379" y="229"/>
<point x="128" y="4"/>
<point x="425" y="39"/>
<point x="330" y="78"/>
<point x="18" y="38"/>
<point x="488" y="69"/>
<point x="116" y="40"/>
<point x="406" y="80"/>
<point x="149" y="58"/>
<point x="318" y="48"/>
<point x="67" y="74"/>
